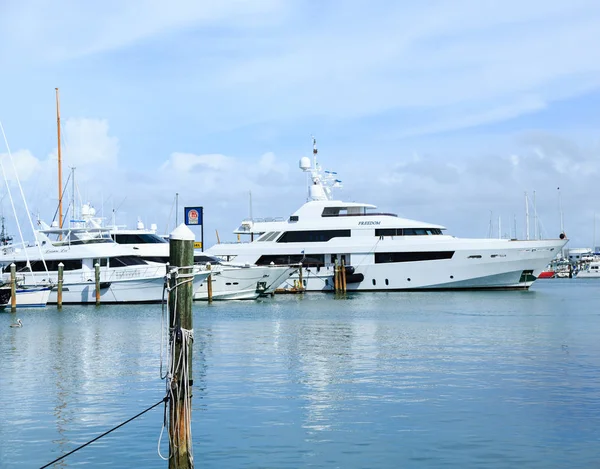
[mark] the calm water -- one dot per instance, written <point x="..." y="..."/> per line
<point x="506" y="379"/>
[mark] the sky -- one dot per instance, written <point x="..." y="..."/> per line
<point x="446" y="112"/>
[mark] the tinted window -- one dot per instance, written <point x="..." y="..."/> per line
<point x="138" y="238"/>
<point x="384" y="257"/>
<point x="38" y="266"/>
<point x="312" y="236"/>
<point x="123" y="261"/>
<point x="310" y="260"/>
<point x="407" y="231"/>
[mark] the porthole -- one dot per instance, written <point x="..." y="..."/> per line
<point x="451" y="276"/>
<point x="408" y="279"/>
<point x="374" y="282"/>
<point x="387" y="282"/>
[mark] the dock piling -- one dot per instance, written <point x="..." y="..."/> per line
<point x="343" y="276"/>
<point x="97" y="275"/>
<point x="13" y="287"/>
<point x="59" y="299"/>
<point x="209" y="284"/>
<point x="181" y="295"/>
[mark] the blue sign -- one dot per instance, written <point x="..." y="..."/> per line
<point x="193" y="215"/>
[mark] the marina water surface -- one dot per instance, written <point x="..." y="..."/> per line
<point x="461" y="379"/>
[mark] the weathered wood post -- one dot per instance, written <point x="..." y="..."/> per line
<point x="300" y="279"/>
<point x="61" y="268"/>
<point x="336" y="279"/>
<point x="97" y="274"/>
<point x="181" y="296"/>
<point x="13" y="287"/>
<point x="209" y="283"/>
<point x="343" y="275"/>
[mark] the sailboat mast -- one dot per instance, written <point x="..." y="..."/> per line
<point x="60" y="212"/>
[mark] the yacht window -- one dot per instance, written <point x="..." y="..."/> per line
<point x="264" y="237"/>
<point x="138" y="238"/>
<point x="308" y="260"/>
<point x="123" y="261"/>
<point x="385" y="257"/>
<point x="331" y="212"/>
<point x="103" y="262"/>
<point x="312" y="236"/>
<point x="270" y="236"/>
<point x="407" y="231"/>
<point x="38" y="266"/>
<point x="159" y="259"/>
<point x="204" y="258"/>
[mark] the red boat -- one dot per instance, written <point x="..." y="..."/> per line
<point x="547" y="274"/>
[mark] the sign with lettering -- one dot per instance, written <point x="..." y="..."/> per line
<point x="193" y="215"/>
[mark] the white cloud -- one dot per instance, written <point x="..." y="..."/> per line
<point x="25" y="164"/>
<point x="186" y="162"/>
<point x="87" y="143"/>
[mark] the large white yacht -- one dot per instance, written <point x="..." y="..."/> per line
<point x="382" y="251"/>
<point x="124" y="276"/>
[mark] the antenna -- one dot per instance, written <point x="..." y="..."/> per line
<point x="535" y="218"/>
<point x="499" y="227"/>
<point x="250" y="205"/>
<point x="526" y="217"/>
<point x="315" y="151"/>
<point x="562" y="224"/>
<point x="176" y="209"/>
<point x="594" y="244"/>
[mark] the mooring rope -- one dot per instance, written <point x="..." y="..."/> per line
<point x="178" y="389"/>
<point x="164" y="399"/>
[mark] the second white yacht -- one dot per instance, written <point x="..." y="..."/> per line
<point x="382" y="251"/>
<point x="124" y="276"/>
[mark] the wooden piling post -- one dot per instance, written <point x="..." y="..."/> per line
<point x="181" y="252"/>
<point x="97" y="274"/>
<point x="61" y="268"/>
<point x="343" y="275"/>
<point x="13" y="287"/>
<point x="336" y="279"/>
<point x="300" y="279"/>
<point x="209" y="284"/>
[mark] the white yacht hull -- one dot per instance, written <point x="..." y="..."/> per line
<point x="475" y="264"/>
<point x="127" y="285"/>
<point x="243" y="283"/>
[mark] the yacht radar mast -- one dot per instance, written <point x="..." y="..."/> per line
<point x="322" y="181"/>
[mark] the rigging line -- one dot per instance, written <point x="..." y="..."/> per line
<point x="12" y="203"/>
<point x="164" y="399"/>
<point x="12" y="161"/>
<point x="61" y="197"/>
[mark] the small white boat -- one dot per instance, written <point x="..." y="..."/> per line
<point x="592" y="270"/>
<point x="27" y="296"/>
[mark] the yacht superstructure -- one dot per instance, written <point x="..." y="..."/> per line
<point x="383" y="251"/>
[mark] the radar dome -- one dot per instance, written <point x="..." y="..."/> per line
<point x="304" y="163"/>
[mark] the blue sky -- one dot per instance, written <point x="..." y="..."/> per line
<point x="436" y="110"/>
